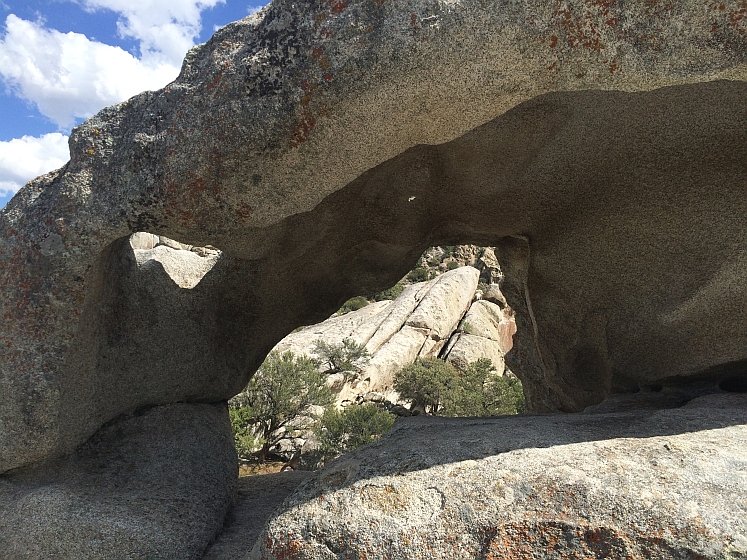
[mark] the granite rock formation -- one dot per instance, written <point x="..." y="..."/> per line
<point x="600" y="146"/>
<point x="666" y="484"/>
<point x="157" y="484"/>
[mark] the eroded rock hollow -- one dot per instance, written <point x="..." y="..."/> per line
<point x="322" y="146"/>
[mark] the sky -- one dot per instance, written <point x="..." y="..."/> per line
<point x="62" y="61"/>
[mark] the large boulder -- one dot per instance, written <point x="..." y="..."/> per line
<point x="601" y="147"/>
<point x="156" y="484"/>
<point x="666" y="484"/>
<point x="306" y="138"/>
<point x="486" y="331"/>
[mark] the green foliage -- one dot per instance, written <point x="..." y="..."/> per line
<point x="390" y="293"/>
<point x="279" y="394"/>
<point x="339" y="432"/>
<point x="353" y="304"/>
<point x="505" y="395"/>
<point x="427" y="383"/>
<point x="242" y="421"/>
<point x="452" y="265"/>
<point x="419" y="274"/>
<point x="439" y="388"/>
<point x="480" y="392"/>
<point x="467" y="327"/>
<point x="349" y="356"/>
<point x="435" y="261"/>
<point x="448" y="250"/>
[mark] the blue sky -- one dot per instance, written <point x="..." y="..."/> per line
<point x="64" y="60"/>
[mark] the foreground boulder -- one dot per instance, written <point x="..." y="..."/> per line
<point x="156" y="484"/>
<point x="665" y="484"/>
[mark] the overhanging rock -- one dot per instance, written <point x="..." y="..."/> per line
<point x="322" y="146"/>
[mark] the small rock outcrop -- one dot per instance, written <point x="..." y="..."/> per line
<point x="186" y="265"/>
<point x="665" y="484"/>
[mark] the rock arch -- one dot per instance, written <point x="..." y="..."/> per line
<point x="323" y="146"/>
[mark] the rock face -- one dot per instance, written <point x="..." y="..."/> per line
<point x="154" y="485"/>
<point x="426" y="320"/>
<point x="185" y="265"/>
<point x="487" y="331"/>
<point x="601" y="147"/>
<point x="666" y="484"/>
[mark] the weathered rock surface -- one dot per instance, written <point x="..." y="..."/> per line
<point x="486" y="332"/>
<point x="470" y="348"/>
<point x="359" y="325"/>
<point x="445" y="303"/>
<point x="322" y="146"/>
<point x="666" y="484"/>
<point x="183" y="265"/>
<point x="154" y="485"/>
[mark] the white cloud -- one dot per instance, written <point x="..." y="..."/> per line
<point x="70" y="77"/>
<point x="165" y="30"/>
<point x="23" y="159"/>
<point x="67" y="76"/>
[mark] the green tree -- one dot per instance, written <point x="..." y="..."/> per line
<point x="341" y="431"/>
<point x="481" y="392"/>
<point x="390" y="293"/>
<point x="419" y="274"/>
<point x="242" y="422"/>
<point x="439" y="388"/>
<point x="280" y="393"/>
<point x="427" y="383"/>
<point x="348" y="356"/>
<point x="505" y="395"/>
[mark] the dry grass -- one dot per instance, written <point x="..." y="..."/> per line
<point x="253" y="469"/>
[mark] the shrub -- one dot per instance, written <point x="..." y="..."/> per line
<point x="427" y="383"/>
<point x="348" y="356"/>
<point x="390" y="293"/>
<point x="505" y="395"/>
<point x="242" y="423"/>
<point x="278" y="395"/>
<point x="480" y="392"/>
<point x="452" y="265"/>
<point x="340" y="432"/>
<point x="353" y="304"/>
<point x="439" y="388"/>
<point x="418" y="275"/>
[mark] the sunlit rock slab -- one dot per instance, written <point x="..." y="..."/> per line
<point x="668" y="484"/>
